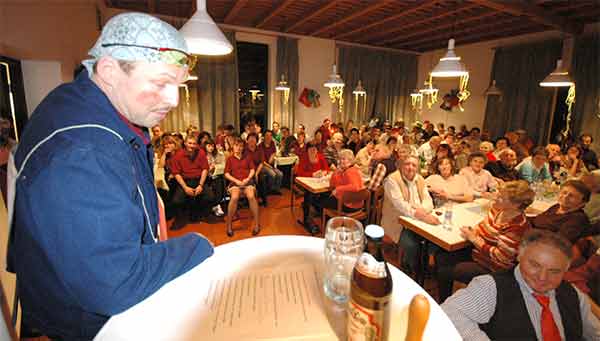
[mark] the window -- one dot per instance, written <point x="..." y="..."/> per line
<point x="253" y="72"/>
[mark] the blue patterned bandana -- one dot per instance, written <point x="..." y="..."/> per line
<point x="139" y="37"/>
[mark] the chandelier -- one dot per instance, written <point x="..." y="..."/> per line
<point x="429" y="92"/>
<point x="283" y="86"/>
<point x="336" y="87"/>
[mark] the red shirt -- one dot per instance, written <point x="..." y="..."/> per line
<point x="267" y="151"/>
<point x="187" y="166"/>
<point x="306" y="168"/>
<point x="238" y="168"/>
<point x="348" y="180"/>
<point x="256" y="156"/>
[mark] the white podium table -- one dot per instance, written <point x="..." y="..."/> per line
<point x="222" y="299"/>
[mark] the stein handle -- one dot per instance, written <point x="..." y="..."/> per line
<point x="418" y="315"/>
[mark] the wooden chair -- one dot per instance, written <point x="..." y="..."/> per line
<point x="360" y="215"/>
<point x="377" y="206"/>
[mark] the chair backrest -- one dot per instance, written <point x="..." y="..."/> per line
<point x="362" y="195"/>
<point x="377" y="205"/>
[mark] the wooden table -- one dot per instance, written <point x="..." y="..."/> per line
<point x="219" y="299"/>
<point x="313" y="185"/>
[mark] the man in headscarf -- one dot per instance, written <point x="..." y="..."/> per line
<point x="84" y="240"/>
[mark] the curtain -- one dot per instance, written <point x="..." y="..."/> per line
<point x="586" y="71"/>
<point x="388" y="78"/>
<point x="213" y="98"/>
<point x="524" y="104"/>
<point x="287" y="64"/>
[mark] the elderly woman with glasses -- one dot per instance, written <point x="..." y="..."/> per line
<point x="495" y="240"/>
<point x="567" y="217"/>
<point x="346" y="178"/>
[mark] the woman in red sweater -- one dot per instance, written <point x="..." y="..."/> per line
<point x="345" y="179"/>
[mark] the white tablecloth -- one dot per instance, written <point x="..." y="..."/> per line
<point x="175" y="311"/>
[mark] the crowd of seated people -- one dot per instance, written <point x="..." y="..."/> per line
<point x="418" y="168"/>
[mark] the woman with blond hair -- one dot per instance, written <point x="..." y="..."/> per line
<point x="495" y="240"/>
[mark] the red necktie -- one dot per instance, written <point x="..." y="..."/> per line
<point x="549" y="329"/>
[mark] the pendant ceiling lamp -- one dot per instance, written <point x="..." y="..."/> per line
<point x="336" y="87"/>
<point x="450" y="65"/>
<point x="416" y="100"/>
<point x="283" y="86"/>
<point x="203" y="36"/>
<point x="429" y="92"/>
<point x="558" y="78"/>
<point x="359" y="90"/>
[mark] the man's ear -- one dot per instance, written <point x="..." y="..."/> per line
<point x="107" y="69"/>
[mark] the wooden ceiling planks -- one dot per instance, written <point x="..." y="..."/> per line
<point x="419" y="25"/>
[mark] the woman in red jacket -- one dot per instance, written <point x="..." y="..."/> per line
<point x="345" y="178"/>
<point x="312" y="164"/>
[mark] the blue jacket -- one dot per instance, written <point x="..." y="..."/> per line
<point x="82" y="243"/>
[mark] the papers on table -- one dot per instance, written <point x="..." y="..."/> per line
<point x="274" y="304"/>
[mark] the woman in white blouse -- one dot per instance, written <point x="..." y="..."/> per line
<point x="482" y="181"/>
<point x="446" y="185"/>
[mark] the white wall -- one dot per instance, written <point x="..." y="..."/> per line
<point x="316" y="58"/>
<point x="39" y="78"/>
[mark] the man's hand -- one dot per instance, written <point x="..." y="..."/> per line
<point x="441" y="194"/>
<point x="189" y="191"/>
<point x="422" y="215"/>
<point x="198" y="190"/>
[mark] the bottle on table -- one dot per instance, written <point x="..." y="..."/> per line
<point x="448" y="216"/>
<point x="370" y="292"/>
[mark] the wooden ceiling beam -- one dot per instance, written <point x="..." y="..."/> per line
<point x="437" y="28"/>
<point x="460" y="34"/>
<point x="395" y="30"/>
<point x="489" y="35"/>
<point x="534" y="13"/>
<point x="273" y="13"/>
<point x="375" y="6"/>
<point x="329" y="5"/>
<point x="235" y="9"/>
<point x="403" y="13"/>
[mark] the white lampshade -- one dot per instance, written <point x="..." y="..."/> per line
<point x="558" y="78"/>
<point x="335" y="80"/>
<point x="282" y="85"/>
<point x="493" y="90"/>
<point x="203" y="36"/>
<point x="359" y="90"/>
<point x="450" y="65"/>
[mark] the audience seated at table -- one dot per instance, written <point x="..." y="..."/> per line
<point x="276" y="132"/>
<point x="239" y="171"/>
<point x="363" y="157"/>
<point x="447" y="186"/>
<point x="190" y="169"/>
<point x="487" y="148"/>
<point x="567" y="216"/>
<point x="517" y="146"/>
<point x="495" y="240"/>
<point x="501" y="145"/>
<point x="285" y="133"/>
<point x="590" y="159"/>
<point x="535" y="168"/>
<point x="529" y="302"/>
<point x="504" y="168"/>
<point x="300" y="143"/>
<point x="312" y="164"/>
<point x="592" y="208"/>
<point x="442" y="151"/>
<point x="331" y="151"/>
<point x="271" y="175"/>
<point x="405" y="193"/>
<point x="345" y="178"/>
<point x="353" y="141"/>
<point x="427" y="150"/>
<point x="482" y="181"/>
<point x="572" y="163"/>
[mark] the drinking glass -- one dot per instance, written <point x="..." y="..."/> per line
<point x="344" y="243"/>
